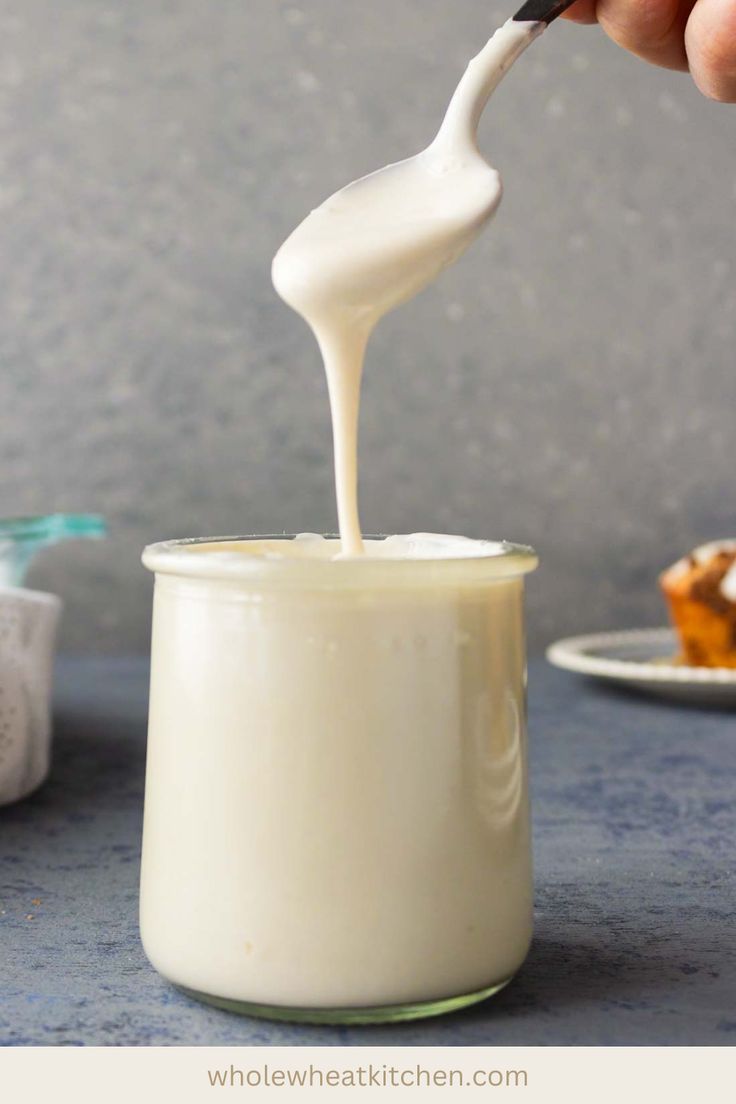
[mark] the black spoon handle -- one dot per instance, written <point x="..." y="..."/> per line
<point x="541" y="11"/>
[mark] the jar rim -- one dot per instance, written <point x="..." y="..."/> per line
<point x="489" y="561"/>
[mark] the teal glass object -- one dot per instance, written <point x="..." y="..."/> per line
<point x="22" y="538"/>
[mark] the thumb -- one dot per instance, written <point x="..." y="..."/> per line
<point x="710" y="41"/>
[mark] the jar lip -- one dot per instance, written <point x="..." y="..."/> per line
<point x="486" y="560"/>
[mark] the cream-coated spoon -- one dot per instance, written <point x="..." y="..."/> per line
<point x="382" y="239"/>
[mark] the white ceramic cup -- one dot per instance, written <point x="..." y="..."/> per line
<point x="28" y="622"/>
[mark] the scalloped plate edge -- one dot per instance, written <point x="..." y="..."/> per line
<point x="586" y="655"/>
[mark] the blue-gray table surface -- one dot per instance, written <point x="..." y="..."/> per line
<point x="634" y="818"/>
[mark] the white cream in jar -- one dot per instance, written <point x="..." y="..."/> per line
<point x="336" y="820"/>
<point x="336" y="795"/>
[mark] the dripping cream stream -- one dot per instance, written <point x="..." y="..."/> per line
<point x="378" y="242"/>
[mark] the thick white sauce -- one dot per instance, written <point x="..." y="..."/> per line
<point x="336" y="797"/>
<point x="381" y="240"/>
<point x="354" y="830"/>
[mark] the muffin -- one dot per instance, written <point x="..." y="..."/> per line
<point x="701" y="593"/>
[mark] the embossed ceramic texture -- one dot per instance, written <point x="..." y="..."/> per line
<point x="28" y="621"/>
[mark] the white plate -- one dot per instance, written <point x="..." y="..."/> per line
<point x="642" y="660"/>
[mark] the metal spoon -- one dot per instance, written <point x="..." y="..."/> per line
<point x="541" y="11"/>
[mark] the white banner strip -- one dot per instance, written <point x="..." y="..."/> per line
<point x="203" y="1075"/>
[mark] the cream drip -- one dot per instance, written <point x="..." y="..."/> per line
<point x="382" y="239"/>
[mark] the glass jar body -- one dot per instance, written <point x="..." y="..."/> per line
<point x="336" y="818"/>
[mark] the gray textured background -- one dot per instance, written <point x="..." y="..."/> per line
<point x="570" y="384"/>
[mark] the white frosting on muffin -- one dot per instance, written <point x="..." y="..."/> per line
<point x="702" y="555"/>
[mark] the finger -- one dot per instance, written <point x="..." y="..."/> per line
<point x="651" y="29"/>
<point x="583" y="11"/>
<point x="710" y="40"/>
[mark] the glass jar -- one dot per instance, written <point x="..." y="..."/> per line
<point x="336" y="816"/>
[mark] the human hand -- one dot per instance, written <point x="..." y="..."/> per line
<point x="694" y="35"/>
